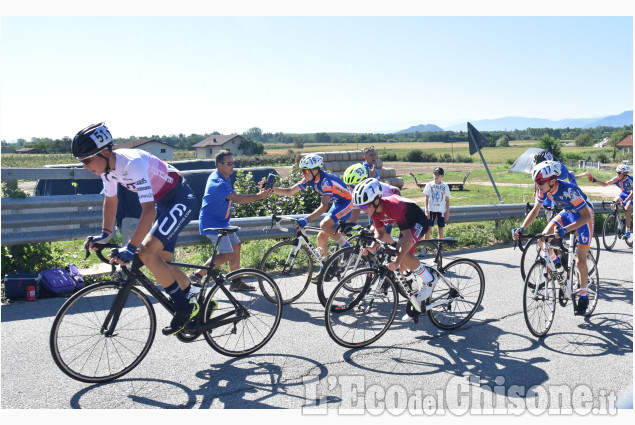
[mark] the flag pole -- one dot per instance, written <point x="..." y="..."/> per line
<point x="473" y="141"/>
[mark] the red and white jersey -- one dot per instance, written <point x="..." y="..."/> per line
<point x="141" y="172"/>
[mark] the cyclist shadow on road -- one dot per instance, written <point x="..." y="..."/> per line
<point x="614" y="290"/>
<point x="489" y="354"/>
<point x="254" y="382"/>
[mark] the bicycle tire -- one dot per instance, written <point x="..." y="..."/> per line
<point x="78" y="345"/>
<point x="539" y="309"/>
<point x="357" y="319"/>
<point x="292" y="274"/>
<point x="593" y="285"/>
<point x="530" y="255"/>
<point x="609" y="231"/>
<point x="628" y="242"/>
<point x="336" y="268"/>
<point x="463" y="282"/>
<point x="254" y="331"/>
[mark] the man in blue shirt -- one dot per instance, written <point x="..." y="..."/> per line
<point x="370" y="162"/>
<point x="216" y="211"/>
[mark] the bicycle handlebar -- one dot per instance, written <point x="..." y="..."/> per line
<point x="100" y="247"/>
<point x="545" y="238"/>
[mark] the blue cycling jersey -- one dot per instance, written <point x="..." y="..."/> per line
<point x="567" y="196"/>
<point x="626" y="185"/>
<point x="329" y="184"/>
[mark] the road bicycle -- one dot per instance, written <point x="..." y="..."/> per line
<point x="106" y="329"/>
<point x="294" y="263"/>
<point x="359" y="317"/>
<point x="545" y="284"/>
<point x="531" y="250"/>
<point x="615" y="225"/>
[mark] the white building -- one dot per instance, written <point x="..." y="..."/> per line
<point x="236" y="144"/>
<point x="159" y="149"/>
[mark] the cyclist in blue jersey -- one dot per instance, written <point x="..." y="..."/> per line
<point x="577" y="215"/>
<point x="333" y="190"/>
<point x="565" y="174"/>
<point x="370" y="162"/>
<point x="167" y="203"/>
<point x="625" y="183"/>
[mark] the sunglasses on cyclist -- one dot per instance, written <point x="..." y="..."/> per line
<point x="365" y="207"/>
<point x="306" y="171"/>
<point x="90" y="159"/>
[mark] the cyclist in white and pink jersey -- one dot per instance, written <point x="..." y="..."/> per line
<point x="166" y="202"/>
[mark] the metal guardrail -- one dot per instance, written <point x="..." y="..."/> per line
<point x="73" y="217"/>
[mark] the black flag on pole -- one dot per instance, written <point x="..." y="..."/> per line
<point x="477" y="140"/>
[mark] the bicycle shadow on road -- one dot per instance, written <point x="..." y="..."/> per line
<point x="264" y="381"/>
<point x="614" y="290"/>
<point x="488" y="354"/>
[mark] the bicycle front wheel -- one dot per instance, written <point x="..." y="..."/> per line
<point x="290" y="267"/>
<point x="530" y="255"/>
<point x="356" y="319"/>
<point x="539" y="299"/>
<point x="340" y="264"/>
<point x="609" y="231"/>
<point x="457" y="294"/>
<point x="260" y="311"/>
<point x="78" y="342"/>
<point x="629" y="242"/>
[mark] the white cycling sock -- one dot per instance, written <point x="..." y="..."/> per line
<point x="424" y="274"/>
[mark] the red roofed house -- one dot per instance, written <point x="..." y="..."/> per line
<point x="159" y="149"/>
<point x="209" y="147"/>
<point x="626" y="144"/>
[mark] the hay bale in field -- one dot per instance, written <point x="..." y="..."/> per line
<point x="394" y="181"/>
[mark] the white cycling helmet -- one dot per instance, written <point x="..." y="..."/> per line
<point x="310" y="161"/>
<point x="545" y="170"/>
<point x="366" y="192"/>
<point x="623" y="168"/>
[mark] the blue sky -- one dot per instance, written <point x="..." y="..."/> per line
<point x="170" y="75"/>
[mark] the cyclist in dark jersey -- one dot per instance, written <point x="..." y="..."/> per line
<point x="167" y="203"/>
<point x="413" y="224"/>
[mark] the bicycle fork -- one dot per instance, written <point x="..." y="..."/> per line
<point x="112" y="318"/>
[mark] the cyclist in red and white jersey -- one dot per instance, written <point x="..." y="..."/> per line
<point x="412" y="223"/>
<point x="167" y="203"/>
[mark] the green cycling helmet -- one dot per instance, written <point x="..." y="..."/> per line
<point x="355" y="174"/>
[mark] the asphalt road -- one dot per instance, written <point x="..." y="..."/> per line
<point x="493" y="361"/>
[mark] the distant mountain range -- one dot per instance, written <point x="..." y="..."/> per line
<point x="522" y="123"/>
<point x="422" y="128"/>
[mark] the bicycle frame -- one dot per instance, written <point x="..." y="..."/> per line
<point x="550" y="265"/>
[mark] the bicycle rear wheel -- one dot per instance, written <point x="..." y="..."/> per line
<point x="609" y="231"/>
<point x="457" y="294"/>
<point x="340" y="264"/>
<point x="261" y="314"/>
<point x="78" y="342"/>
<point x="292" y="272"/>
<point x="356" y="319"/>
<point x="539" y="306"/>
<point x="593" y="285"/>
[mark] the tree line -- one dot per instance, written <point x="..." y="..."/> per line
<point x="259" y="139"/>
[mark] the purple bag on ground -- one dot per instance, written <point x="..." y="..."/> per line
<point x="61" y="280"/>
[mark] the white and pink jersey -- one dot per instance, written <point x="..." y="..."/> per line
<point x="141" y="172"/>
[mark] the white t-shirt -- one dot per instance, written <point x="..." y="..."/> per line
<point x="437" y="194"/>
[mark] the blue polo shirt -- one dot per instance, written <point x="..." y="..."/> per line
<point x="216" y="210"/>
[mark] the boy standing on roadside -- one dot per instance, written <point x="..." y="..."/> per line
<point x="437" y="202"/>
